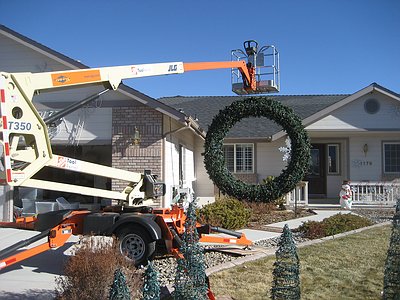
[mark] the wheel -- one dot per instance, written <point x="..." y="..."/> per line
<point x="135" y="244"/>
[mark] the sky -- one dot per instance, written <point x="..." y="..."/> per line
<point x="325" y="46"/>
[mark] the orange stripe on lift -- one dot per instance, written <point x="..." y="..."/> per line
<point x="10" y="261"/>
<point x="67" y="78"/>
<point x="7" y="147"/>
<point x="2" y="96"/>
<point x="8" y="175"/>
<point x="5" y="122"/>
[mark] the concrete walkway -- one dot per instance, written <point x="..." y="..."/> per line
<point x="35" y="277"/>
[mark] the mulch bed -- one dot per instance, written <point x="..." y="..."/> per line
<point x="260" y="219"/>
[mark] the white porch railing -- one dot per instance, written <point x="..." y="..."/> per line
<point x="298" y="196"/>
<point x="375" y="192"/>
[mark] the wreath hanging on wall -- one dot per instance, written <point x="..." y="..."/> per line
<point x="256" y="107"/>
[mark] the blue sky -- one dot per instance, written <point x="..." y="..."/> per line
<point x="326" y="47"/>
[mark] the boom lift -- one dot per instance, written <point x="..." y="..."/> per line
<point x="25" y="150"/>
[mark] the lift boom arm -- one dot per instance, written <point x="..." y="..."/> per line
<point x="26" y="143"/>
<point x="31" y="82"/>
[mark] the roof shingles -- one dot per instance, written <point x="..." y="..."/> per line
<point x="204" y="108"/>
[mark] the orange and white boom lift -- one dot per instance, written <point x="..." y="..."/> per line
<point x="25" y="150"/>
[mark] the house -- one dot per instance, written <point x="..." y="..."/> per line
<point x="353" y="136"/>
<point x="102" y="132"/>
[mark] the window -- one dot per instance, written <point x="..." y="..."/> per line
<point x="229" y="155"/>
<point x="315" y="163"/>
<point x="333" y="159"/>
<point x="391" y="157"/>
<point x="371" y="106"/>
<point x="239" y="157"/>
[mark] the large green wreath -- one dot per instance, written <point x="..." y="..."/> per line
<point x="256" y="107"/>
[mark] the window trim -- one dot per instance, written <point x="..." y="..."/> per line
<point x="384" y="158"/>
<point x="338" y="159"/>
<point x="234" y="157"/>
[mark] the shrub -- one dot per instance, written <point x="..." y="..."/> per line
<point x="333" y="225"/>
<point x="312" y="230"/>
<point x="344" y="222"/>
<point x="279" y="202"/>
<point x="259" y="209"/>
<point x="226" y="212"/>
<point x="89" y="273"/>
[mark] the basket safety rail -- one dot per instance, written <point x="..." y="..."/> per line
<point x="265" y="61"/>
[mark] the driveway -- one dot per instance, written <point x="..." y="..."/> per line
<point x="33" y="278"/>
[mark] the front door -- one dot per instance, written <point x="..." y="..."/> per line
<point x="316" y="175"/>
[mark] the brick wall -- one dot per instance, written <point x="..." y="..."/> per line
<point x="136" y="158"/>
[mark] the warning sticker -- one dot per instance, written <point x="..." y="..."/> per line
<point x="67" y="163"/>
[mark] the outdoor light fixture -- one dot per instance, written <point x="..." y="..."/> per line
<point x="136" y="137"/>
<point x="365" y="149"/>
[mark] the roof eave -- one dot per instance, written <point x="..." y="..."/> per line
<point x="123" y="89"/>
<point x="324" y="112"/>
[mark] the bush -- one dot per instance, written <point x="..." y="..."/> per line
<point x="259" y="210"/>
<point x="344" y="222"/>
<point x="227" y="212"/>
<point x="312" y="230"/>
<point x="89" y="273"/>
<point x="333" y="225"/>
<point x="279" y="202"/>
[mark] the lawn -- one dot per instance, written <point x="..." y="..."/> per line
<point x="349" y="267"/>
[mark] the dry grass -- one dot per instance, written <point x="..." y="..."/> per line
<point x="345" y="268"/>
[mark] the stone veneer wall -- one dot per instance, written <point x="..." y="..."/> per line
<point x="136" y="158"/>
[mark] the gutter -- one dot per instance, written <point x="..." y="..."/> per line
<point x="190" y="124"/>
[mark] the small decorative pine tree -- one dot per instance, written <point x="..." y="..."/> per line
<point x="190" y="278"/>
<point x="286" y="273"/>
<point x="391" y="280"/>
<point x="119" y="289"/>
<point x="151" y="286"/>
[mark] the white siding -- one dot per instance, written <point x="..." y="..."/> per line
<point x="354" y="117"/>
<point x="16" y="57"/>
<point x="369" y="166"/>
<point x="204" y="187"/>
<point x="189" y="167"/>
<point x="269" y="159"/>
<point x="365" y="167"/>
<point x="333" y="186"/>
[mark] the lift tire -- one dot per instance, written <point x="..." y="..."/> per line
<point x="136" y="245"/>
